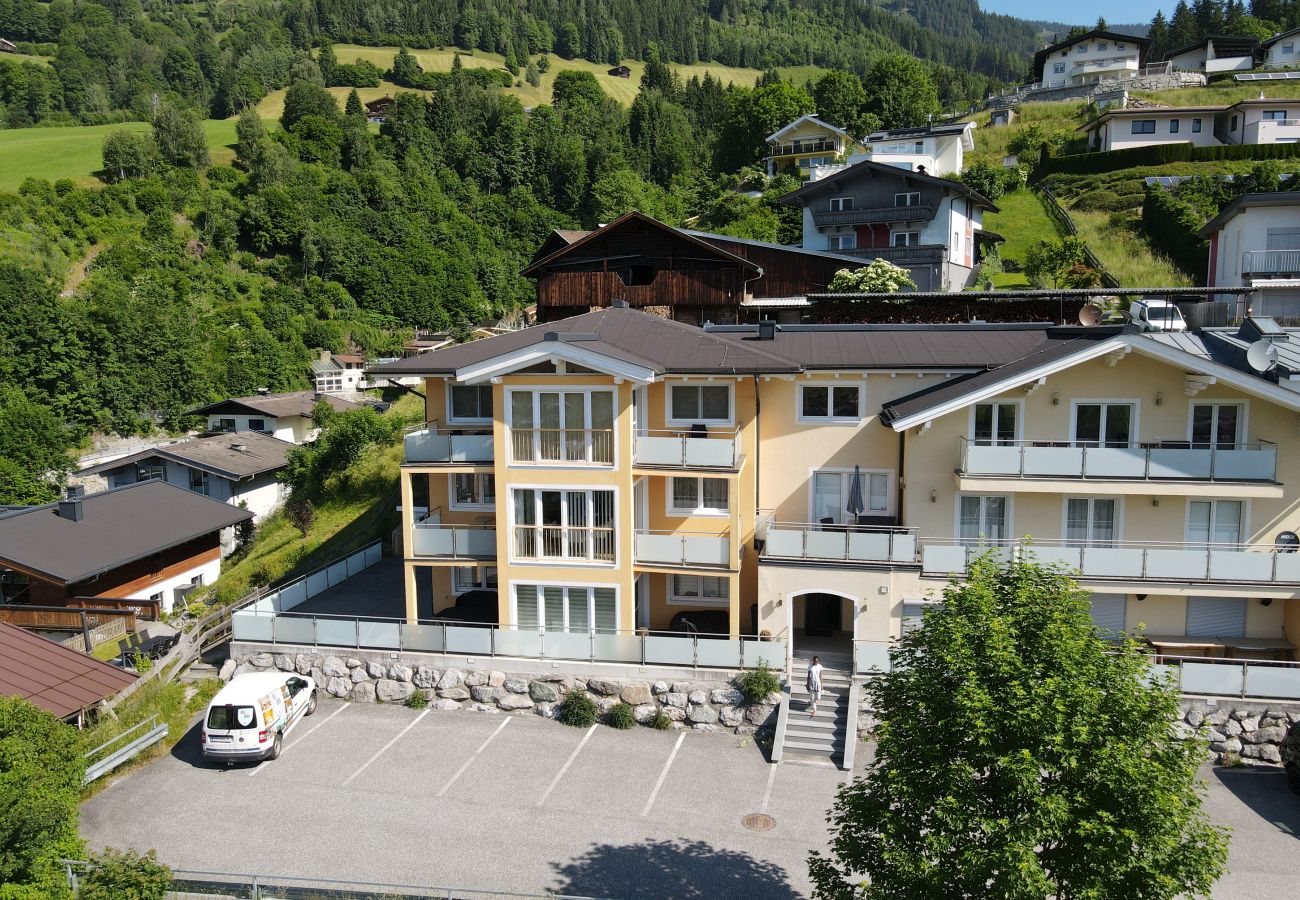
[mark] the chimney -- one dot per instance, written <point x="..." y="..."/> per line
<point x="70" y="508"/>
<point x="239" y="448"/>
<point x="767" y="329"/>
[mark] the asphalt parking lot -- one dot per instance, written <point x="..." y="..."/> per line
<point x="517" y="803"/>
<point x="482" y="800"/>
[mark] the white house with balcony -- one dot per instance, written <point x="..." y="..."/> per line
<point x="1281" y="51"/>
<point x="1255" y="242"/>
<point x="1258" y="121"/>
<point x="1214" y="53"/>
<point x="932" y="149"/>
<point x="1091" y="57"/>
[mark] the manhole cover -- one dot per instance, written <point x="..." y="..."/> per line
<point x="758" y="822"/>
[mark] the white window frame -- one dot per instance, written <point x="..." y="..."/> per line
<point x="910" y="238"/>
<point x="678" y="423"/>
<point x="841" y="204"/>
<point x="678" y="512"/>
<point x="846" y="241"/>
<point x="458" y="587"/>
<point x="891" y="478"/>
<point x="536" y="391"/>
<point x="830" y="418"/>
<point x="561" y="561"/>
<point x="567" y="587"/>
<point x="453" y="503"/>
<point x="1009" y="504"/>
<point x="1174" y="126"/>
<point x="1243" y="529"/>
<point x="467" y="420"/>
<point x="1018" y="403"/>
<point x="159" y="468"/>
<point x="1081" y="48"/>
<point x="675" y="599"/>
<point x="1273" y="115"/>
<point x="1135" y="430"/>
<point x="1090" y="541"/>
<point x="907" y="195"/>
<point x="1196" y="126"/>
<point x="1243" y="414"/>
<point x="1102" y="46"/>
<point x="1058" y="68"/>
<point x="1134" y="123"/>
<point x="1288" y="47"/>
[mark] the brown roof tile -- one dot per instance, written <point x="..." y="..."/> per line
<point x="53" y="677"/>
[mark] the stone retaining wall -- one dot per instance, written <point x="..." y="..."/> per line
<point x="1164" y="82"/>
<point x="701" y="705"/>
<point x="1244" y="731"/>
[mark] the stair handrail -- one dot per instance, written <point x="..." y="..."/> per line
<point x="782" y="719"/>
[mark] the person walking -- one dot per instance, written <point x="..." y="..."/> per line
<point x="814" y="684"/>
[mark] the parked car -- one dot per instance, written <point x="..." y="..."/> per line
<point x="474" y="607"/>
<point x="1157" y="315"/>
<point x="1291" y="756"/>
<point x="249" y="717"/>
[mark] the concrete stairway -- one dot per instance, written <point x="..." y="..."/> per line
<point x="821" y="737"/>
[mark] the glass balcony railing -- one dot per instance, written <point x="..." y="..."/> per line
<point x="1160" y="460"/>
<point x="451" y="446"/>
<point x="1128" y="561"/>
<point x="687" y="549"/>
<point x="837" y="543"/>
<point x="688" y="449"/>
<point x="454" y="541"/>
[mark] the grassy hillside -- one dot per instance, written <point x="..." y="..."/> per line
<point x="1223" y="93"/>
<point x="74" y="151"/>
<point x="1022" y="221"/>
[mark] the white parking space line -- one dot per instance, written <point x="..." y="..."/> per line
<point x="664" y="774"/>
<point x="461" y="771"/>
<point x="304" y="736"/>
<point x="767" y="793"/>
<point x="564" y="768"/>
<point x="381" y="750"/>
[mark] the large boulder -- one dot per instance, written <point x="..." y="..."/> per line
<point x="543" y="692"/>
<point x="354" y="662"/>
<point x="363" y="692"/>
<point x="510" y="701"/>
<point x="698" y="697"/>
<point x="359" y="675"/>
<point x="1262" y="752"/>
<point x="605" y="704"/>
<point x="333" y="666"/>
<point x="702" y="715"/>
<point x="727" y="696"/>
<point x="498" y="679"/>
<point x="1216" y="718"/>
<point x="338" y="686"/>
<point x="1271" y="734"/>
<point x="644" y="713"/>
<point x="659" y="687"/>
<point x="1232" y="728"/>
<point x="636" y="694"/>
<point x="400" y="673"/>
<point x="452" y="678"/>
<point x="674" y="699"/>
<point x="485" y="693"/>
<point x="284" y="662"/>
<point x="1194" y="717"/>
<point x="444" y="705"/>
<point x="262" y="660"/>
<point x="376" y="670"/>
<point x="227" y="670"/>
<point x="390" y="691"/>
<point x="731" y="716"/>
<point x="675" y="713"/>
<point x="1231" y="745"/>
<point x="760" y="714"/>
<point x="513" y="685"/>
<point x="606" y="686"/>
<point x="476" y="678"/>
<point x="424" y="677"/>
<point x="303" y="664"/>
<point x="454" y="693"/>
<point x="681" y="687"/>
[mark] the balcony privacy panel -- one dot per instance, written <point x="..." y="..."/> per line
<point x="719" y="652"/>
<point x="511" y="642"/>
<point x="617" y="648"/>
<point x="772" y="653"/>
<point x="1211" y="678"/>
<point x="1246" y="465"/>
<point x="462" y="639"/>
<point x="1177" y="564"/>
<point x="422" y="637"/>
<point x="784" y="542"/>
<point x="1240" y="565"/>
<point x="432" y="540"/>
<point x="471" y="448"/>
<point x="988" y="460"/>
<point x="827" y="544"/>
<point x="1273" y="681"/>
<point x="706" y="550"/>
<point x="904" y="548"/>
<point x="943" y="558"/>
<point x="247" y="626"/>
<point x="1116" y="562"/>
<point x="716" y="452"/>
<point x="567" y="645"/>
<point x="1288" y="566"/>
<point x="661" y="548"/>
<point x="1180" y="463"/>
<point x="673" y="651"/>
<point x="1115" y="462"/>
<point x="868" y="546"/>
<point x="1054" y="462"/>
<point x="658" y="451"/>
<point x="292" y="630"/>
<point x="336" y="632"/>
<point x="385" y="635"/>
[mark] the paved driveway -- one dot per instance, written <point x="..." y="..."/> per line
<point x="481" y="800"/>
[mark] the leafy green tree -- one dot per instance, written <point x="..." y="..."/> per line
<point x="661" y="135"/>
<point x="128" y="154"/>
<point x="178" y="134"/>
<point x="249" y="136"/>
<point x="125" y="875"/>
<point x="41" y="769"/>
<point x="1051" y="263"/>
<point x="751" y="115"/>
<point x="307" y="99"/>
<point x="840" y="100"/>
<point x="406" y="70"/>
<point x="984" y="177"/>
<point x="533" y="74"/>
<point x="622" y="191"/>
<point x="568" y="42"/>
<point x="326" y="61"/>
<point x="880" y="276"/>
<point x="576" y="85"/>
<point x="1020" y="756"/>
<point x="344" y="436"/>
<point x="901" y="92"/>
<point x="33" y="441"/>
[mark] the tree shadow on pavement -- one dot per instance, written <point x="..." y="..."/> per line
<point x="1266" y="793"/>
<point x="683" y="870"/>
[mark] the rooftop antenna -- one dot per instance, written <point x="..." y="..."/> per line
<point x="1089" y="314"/>
<point x="1261" y="356"/>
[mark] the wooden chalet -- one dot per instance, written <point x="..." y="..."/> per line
<point x="620" y="72"/>
<point x="689" y="276"/>
<point x="377" y="110"/>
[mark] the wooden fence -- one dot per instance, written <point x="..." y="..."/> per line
<point x="1062" y="218"/>
<point x="113" y="628"/>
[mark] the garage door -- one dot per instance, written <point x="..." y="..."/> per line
<point x="1108" y="612"/>
<point x="1216" y="616"/>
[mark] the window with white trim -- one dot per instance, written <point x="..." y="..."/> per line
<point x="690" y="496"/>
<point x="1173" y="126"/>
<point x="564" y="524"/>
<point x="830" y="403"/>
<point x="1142" y="126"/>
<point x="996" y="424"/>
<point x="841" y="204"/>
<point x="1214" y="521"/>
<point x="569" y="426"/>
<point x="905" y="238"/>
<point x="1274" y="115"/>
<point x="547" y="607"/>
<point x="473" y="491"/>
<point x="470" y="403"/>
<point x="846" y="241"/>
<point x="698" y="590"/>
<point x="699" y="403"/>
<point x="983" y="517"/>
<point x="908" y="198"/>
<point x="1091" y="521"/>
<point x="150" y="471"/>
<point x="1102" y="45"/>
<point x="1082" y="48"/>
<point x="831" y="489"/>
<point x="199" y="482"/>
<point x="473" y="578"/>
<point x="1058" y="68"/>
<point x="1216" y="424"/>
<point x="1104" y="424"/>
<point x="1196" y="126"/>
<point x="257" y="425"/>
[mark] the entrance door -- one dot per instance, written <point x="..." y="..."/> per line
<point x="821" y="615"/>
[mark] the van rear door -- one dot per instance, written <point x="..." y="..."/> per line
<point x="232" y="727"/>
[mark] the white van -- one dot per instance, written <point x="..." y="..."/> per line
<point x="1155" y="314"/>
<point x="249" y="717"/>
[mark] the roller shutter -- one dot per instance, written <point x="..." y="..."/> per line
<point x="1216" y="616"/>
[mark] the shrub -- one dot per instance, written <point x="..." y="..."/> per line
<point x="877" y="277"/>
<point x="115" y="875"/>
<point x="417" y="700"/>
<point x="659" y="721"/>
<point x="197" y="609"/>
<point x="1172" y="225"/>
<point x="620" y="716"/>
<point x="577" y="709"/>
<point x="758" y="683"/>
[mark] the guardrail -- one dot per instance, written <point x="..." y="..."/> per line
<point x="679" y="548"/>
<point x="592" y="446"/>
<point x="1143" y="461"/>
<point x="564" y="542"/>
<point x="1062" y="218"/>
<point x="677" y="448"/>
<point x="138" y="737"/>
<point x="1270" y="262"/>
<point x="432" y="539"/>
<point x="873" y="215"/>
<point x="843" y="543"/>
<point x="457" y="446"/>
<point x="432" y="636"/>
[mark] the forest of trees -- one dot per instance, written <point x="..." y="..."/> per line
<point x="1190" y="22"/>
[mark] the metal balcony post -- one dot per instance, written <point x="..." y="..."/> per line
<point x="1083" y="460"/>
<point x="315" y="628"/>
<point x="1214" y="452"/>
<point x="492" y="641"/>
<point x="1146" y="463"/>
<point x="684" y="440"/>
<point x="1021" y="454"/>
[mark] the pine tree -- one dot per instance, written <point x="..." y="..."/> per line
<point x="353" y="106"/>
<point x="1158" y="35"/>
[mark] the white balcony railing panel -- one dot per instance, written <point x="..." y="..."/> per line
<point x="684" y="449"/>
<point x="1246" y="464"/>
<point x="1177" y="564"/>
<point x="865" y="546"/>
<point x="904" y="547"/>
<point x="1272" y="681"/>
<point x="1115" y="562"/>
<point x="1114" y="462"/>
<point x="1053" y="462"/>
<point x="1180" y="463"/>
<point x="826" y="544"/>
<point x="943" y="558"/>
<point x="784" y="542"/>
<point x="1287" y="567"/>
<point x="716" y="452"/>
<point x="1240" y="565"/>
<point x="658" y="548"/>
<point x="1208" y="678"/>
<point x="658" y="451"/>
<point x="993" y="460"/>
<point x="706" y="549"/>
<point x="450" y="541"/>
<point x="1071" y="557"/>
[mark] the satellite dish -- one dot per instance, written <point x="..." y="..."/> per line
<point x="1090" y="314"/>
<point x="1262" y="356"/>
<point x="1286" y="542"/>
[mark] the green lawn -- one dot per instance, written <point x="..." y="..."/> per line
<point x="1224" y="93"/>
<point x="1022" y="221"/>
<point x="74" y="151"/>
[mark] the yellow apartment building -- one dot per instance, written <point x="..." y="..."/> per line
<point x="617" y="473"/>
<point x="808" y="142"/>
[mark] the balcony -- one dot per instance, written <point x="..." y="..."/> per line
<point x="687" y="450"/>
<point x="795" y="148"/>
<point x="1158" y="461"/>
<point x="854" y="544"/>
<point x="873" y="216"/>
<point x="469" y="542"/>
<point x="564" y="543"/>
<point x="1277" y="263"/>
<point x="1272" y="131"/>
<point x="918" y="255"/>
<point x="459" y="446"/>
<point x="562" y="446"/>
<point x="685" y="549"/>
<point x="1129" y="561"/>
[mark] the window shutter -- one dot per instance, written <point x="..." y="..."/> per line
<point x="579" y="618"/>
<point x="606" y="607"/>
<point x="1216" y="616"/>
<point x="553" y="608"/>
<point x="1108" y="613"/>
<point x="526" y="606"/>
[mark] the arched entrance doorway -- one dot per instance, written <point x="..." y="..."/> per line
<point x="822" y="623"/>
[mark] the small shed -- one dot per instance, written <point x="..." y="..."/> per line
<point x="620" y="72"/>
<point x="7" y="46"/>
<point x="53" y="677"/>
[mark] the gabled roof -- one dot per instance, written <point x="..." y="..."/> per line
<point x="1229" y="42"/>
<point x="867" y="167"/>
<point x="1250" y="201"/>
<point x="55" y="678"/>
<point x="776" y="135"/>
<point x="296" y="403"/>
<point x="1139" y="112"/>
<point x="1142" y="43"/>
<point x="626" y="219"/>
<point x="117" y="526"/>
<point x="1281" y="35"/>
<point x="964" y="130"/>
<point x="234" y="457"/>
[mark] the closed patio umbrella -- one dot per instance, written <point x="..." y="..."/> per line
<point x="855" y="506"/>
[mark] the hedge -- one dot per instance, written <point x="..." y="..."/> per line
<point x="1171" y="226"/>
<point x="1158" y="155"/>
